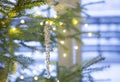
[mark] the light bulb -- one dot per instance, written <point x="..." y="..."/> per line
<point x="55" y="16"/>
<point x="47" y="22"/>
<point x="90" y="34"/>
<point x="74" y="21"/>
<point x="22" y="21"/>
<point x="61" y="23"/>
<point x="50" y="22"/>
<point x="62" y="42"/>
<point x="21" y="77"/>
<point x="58" y="81"/>
<point x="54" y="28"/>
<point x="64" y="31"/>
<point x="13" y="29"/>
<point x="35" y="78"/>
<point x="76" y="47"/>
<point x="41" y="23"/>
<point x="64" y="55"/>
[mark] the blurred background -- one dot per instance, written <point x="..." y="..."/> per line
<point x="105" y="19"/>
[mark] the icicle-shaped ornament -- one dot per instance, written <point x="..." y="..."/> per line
<point x="47" y="47"/>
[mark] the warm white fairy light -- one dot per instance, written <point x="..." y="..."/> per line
<point x="60" y="23"/>
<point x="90" y="34"/>
<point x="75" y="47"/>
<point x="21" y="77"/>
<point x="41" y="23"/>
<point x="22" y="21"/>
<point x="62" y="42"/>
<point x="55" y="16"/>
<point x="58" y="81"/>
<point x="74" y="21"/>
<point x="64" y="55"/>
<point x="64" y="31"/>
<point x="54" y="28"/>
<point x="51" y="22"/>
<point x="47" y="22"/>
<point x="13" y="29"/>
<point x="35" y="78"/>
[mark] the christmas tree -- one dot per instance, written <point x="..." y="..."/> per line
<point x="48" y="31"/>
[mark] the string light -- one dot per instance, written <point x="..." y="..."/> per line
<point x="13" y="29"/>
<point x="35" y="78"/>
<point x="21" y="77"/>
<point x="55" y="16"/>
<point x="62" y="42"/>
<point x="41" y="23"/>
<point x="60" y="23"/>
<point x="74" y="21"/>
<point x="76" y="47"/>
<point x="64" y="55"/>
<point x="90" y="34"/>
<point x="22" y="21"/>
<point x="50" y="22"/>
<point x="54" y="28"/>
<point x="58" y="81"/>
<point x="47" y="22"/>
<point x="64" y="31"/>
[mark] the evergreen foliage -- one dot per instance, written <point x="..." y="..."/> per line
<point x="11" y="10"/>
<point x="76" y="73"/>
